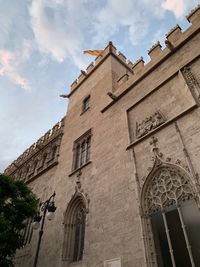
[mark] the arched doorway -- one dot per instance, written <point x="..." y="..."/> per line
<point x="171" y="218"/>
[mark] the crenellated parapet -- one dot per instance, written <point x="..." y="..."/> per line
<point x="174" y="34"/>
<point x="109" y="49"/>
<point x="194" y="16"/>
<point x="38" y="157"/>
<point x="134" y="70"/>
<point x="175" y="38"/>
<point x="155" y="50"/>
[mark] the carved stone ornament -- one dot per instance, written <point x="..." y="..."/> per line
<point x="81" y="213"/>
<point x="166" y="184"/>
<point x="79" y="192"/>
<point x="149" y="123"/>
<point x="167" y="187"/>
<point x="191" y="81"/>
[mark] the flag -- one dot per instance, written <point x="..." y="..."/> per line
<point x="93" y="52"/>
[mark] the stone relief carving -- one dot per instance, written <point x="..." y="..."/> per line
<point x="38" y="157"/>
<point x="167" y="187"/>
<point x="79" y="191"/>
<point x="165" y="184"/>
<point x="191" y="81"/>
<point x="149" y="123"/>
<point x="158" y="159"/>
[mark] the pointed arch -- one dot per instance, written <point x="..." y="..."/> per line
<point x="165" y="185"/>
<point x="74" y="227"/>
<point x="166" y="195"/>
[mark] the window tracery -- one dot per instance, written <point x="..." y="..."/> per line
<point x="81" y="150"/>
<point x="75" y="222"/>
<point x="168" y="186"/>
<point x="168" y="199"/>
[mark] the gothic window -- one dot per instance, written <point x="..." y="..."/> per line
<point x="27" y="170"/>
<point x="74" y="230"/>
<point x="86" y="104"/>
<point x="35" y="165"/>
<point x="44" y="158"/>
<point x="54" y="150"/>
<point x="27" y="232"/>
<point x="82" y="150"/>
<point x="172" y="212"/>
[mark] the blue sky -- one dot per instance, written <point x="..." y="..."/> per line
<point x="41" y="44"/>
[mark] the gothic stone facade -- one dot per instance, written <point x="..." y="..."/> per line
<point x="124" y="162"/>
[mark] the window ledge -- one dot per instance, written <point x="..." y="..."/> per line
<point x="78" y="169"/>
<point x="80" y="263"/>
<point x="85" y="110"/>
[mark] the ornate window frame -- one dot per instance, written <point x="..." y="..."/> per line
<point x="81" y="151"/>
<point x="166" y="184"/>
<point x="78" y="205"/>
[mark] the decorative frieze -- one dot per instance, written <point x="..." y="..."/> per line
<point x="39" y="156"/>
<point x="149" y="123"/>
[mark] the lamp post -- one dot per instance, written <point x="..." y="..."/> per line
<point x="47" y="208"/>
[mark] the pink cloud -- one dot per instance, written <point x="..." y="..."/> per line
<point x="176" y="6"/>
<point x="8" y="67"/>
<point x="6" y="57"/>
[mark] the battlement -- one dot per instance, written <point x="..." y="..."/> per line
<point x="173" y="39"/>
<point x="109" y="49"/>
<point x="155" y="50"/>
<point x="35" y="148"/>
<point x="194" y="16"/>
<point x="174" y="34"/>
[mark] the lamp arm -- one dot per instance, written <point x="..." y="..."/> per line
<point x="45" y="206"/>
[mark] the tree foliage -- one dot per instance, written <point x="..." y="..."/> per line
<point x="17" y="203"/>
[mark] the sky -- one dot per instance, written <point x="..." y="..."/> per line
<point x="41" y="54"/>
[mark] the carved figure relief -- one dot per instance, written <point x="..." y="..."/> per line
<point x="149" y="123"/>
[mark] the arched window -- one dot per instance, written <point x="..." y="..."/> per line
<point x="35" y="166"/>
<point x="54" y="150"/>
<point x="74" y="230"/>
<point x="44" y="157"/>
<point x="172" y="217"/>
<point x="27" y="231"/>
<point x="27" y="171"/>
<point x="82" y="150"/>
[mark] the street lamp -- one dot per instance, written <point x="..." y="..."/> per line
<point x="47" y="208"/>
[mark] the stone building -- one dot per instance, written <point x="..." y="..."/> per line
<point x="124" y="163"/>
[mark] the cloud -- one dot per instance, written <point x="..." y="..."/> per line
<point x="133" y="16"/>
<point x="62" y="28"/>
<point x="179" y="7"/>
<point x="57" y="28"/>
<point x="9" y="67"/>
<point x="176" y="6"/>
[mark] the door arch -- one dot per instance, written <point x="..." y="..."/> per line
<point x="170" y="217"/>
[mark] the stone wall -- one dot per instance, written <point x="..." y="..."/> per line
<point x="123" y="97"/>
